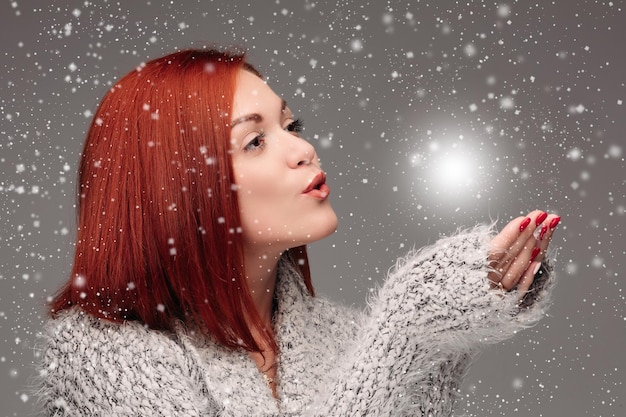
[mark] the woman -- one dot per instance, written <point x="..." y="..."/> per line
<point x="190" y="292"/>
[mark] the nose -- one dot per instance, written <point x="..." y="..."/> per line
<point x="301" y="152"/>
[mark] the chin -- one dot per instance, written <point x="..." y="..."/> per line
<point x="326" y="227"/>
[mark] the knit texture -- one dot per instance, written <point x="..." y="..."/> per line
<point x="405" y="355"/>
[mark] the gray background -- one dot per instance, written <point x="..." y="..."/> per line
<point x="428" y="116"/>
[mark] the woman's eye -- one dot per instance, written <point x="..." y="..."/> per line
<point x="296" y="126"/>
<point x="257" y="143"/>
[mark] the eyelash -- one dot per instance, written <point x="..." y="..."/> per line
<point x="259" y="141"/>
<point x="296" y="126"/>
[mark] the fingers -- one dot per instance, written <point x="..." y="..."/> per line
<point x="516" y="237"/>
<point x="527" y="279"/>
<point x="543" y="241"/>
<point x="544" y="237"/>
<point x="515" y="268"/>
<point x="517" y="251"/>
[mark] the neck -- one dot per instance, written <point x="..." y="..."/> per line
<point x="260" y="270"/>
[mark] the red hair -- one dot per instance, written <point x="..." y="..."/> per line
<point x="159" y="233"/>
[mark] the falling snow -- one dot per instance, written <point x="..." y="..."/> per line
<point x="427" y="116"/>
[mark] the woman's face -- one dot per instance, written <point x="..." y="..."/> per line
<point x="282" y="192"/>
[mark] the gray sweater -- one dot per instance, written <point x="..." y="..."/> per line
<point x="405" y="355"/>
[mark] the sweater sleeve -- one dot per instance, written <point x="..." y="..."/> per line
<point x="424" y="326"/>
<point x="95" y="368"/>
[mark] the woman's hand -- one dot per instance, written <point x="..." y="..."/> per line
<point x="515" y="254"/>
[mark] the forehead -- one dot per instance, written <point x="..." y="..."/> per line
<point x="252" y="95"/>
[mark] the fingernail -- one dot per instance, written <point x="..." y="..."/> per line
<point x="524" y="224"/>
<point x="544" y="229"/>
<point x="534" y="254"/>
<point x="536" y="268"/>
<point x="541" y="218"/>
<point x="554" y="222"/>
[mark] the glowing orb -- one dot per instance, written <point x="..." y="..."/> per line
<point x="452" y="171"/>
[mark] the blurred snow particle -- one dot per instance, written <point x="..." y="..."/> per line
<point x="72" y="67"/>
<point x="620" y="102"/>
<point x="518" y="383"/>
<point x="160" y="308"/>
<point x="76" y="12"/>
<point x="79" y="281"/>
<point x="473" y="107"/>
<point x="387" y="18"/>
<point x="615" y="151"/>
<point x="182" y="26"/>
<point x="597" y="262"/>
<point x="507" y="103"/>
<point x="313" y="63"/>
<point x="356" y="45"/>
<point x="326" y="142"/>
<point x="20" y="168"/>
<point x="504" y="10"/>
<point x="574" y="154"/>
<point x="470" y="49"/>
<point x="302" y="79"/>
<point x="415" y="159"/>
<point x="571" y="268"/>
<point x="576" y="109"/>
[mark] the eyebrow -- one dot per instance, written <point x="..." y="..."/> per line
<point x="255" y="117"/>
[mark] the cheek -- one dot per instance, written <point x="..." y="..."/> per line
<point x="262" y="202"/>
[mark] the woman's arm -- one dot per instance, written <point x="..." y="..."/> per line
<point x="427" y="321"/>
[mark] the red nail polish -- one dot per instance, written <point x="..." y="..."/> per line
<point x="534" y="254"/>
<point x="524" y="224"/>
<point x="554" y="222"/>
<point x="541" y="218"/>
<point x="544" y="229"/>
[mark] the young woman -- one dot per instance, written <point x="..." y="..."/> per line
<point x="190" y="292"/>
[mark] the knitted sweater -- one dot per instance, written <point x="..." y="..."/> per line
<point x="405" y="355"/>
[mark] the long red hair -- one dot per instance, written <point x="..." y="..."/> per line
<point x="159" y="233"/>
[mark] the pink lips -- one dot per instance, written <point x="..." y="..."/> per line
<point x="318" y="188"/>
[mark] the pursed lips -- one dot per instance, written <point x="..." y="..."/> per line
<point x="317" y="187"/>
